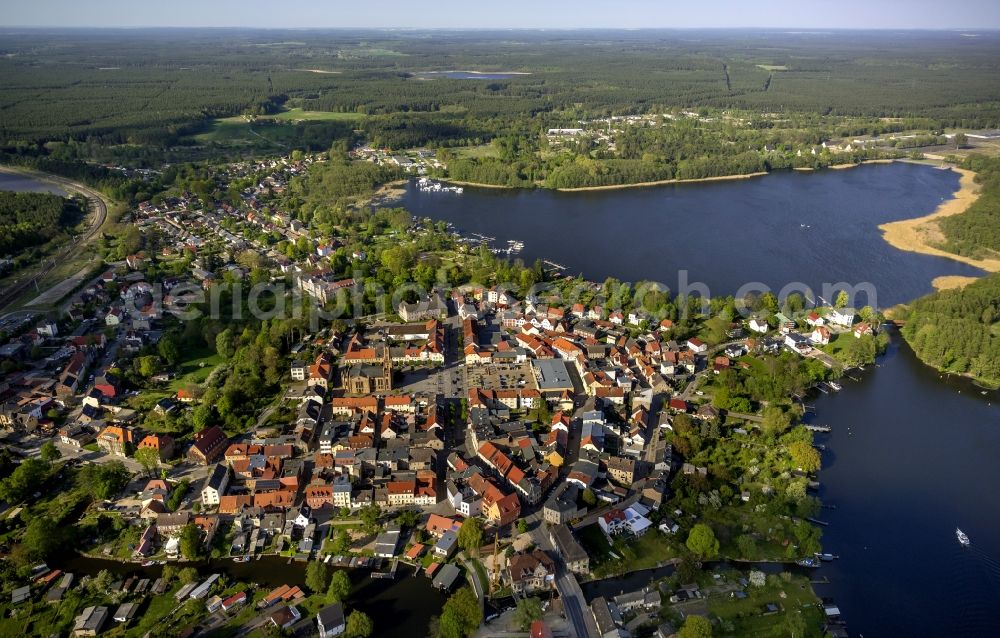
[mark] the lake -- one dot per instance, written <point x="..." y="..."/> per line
<point x="19" y="183"/>
<point x="813" y="228"/>
<point x="912" y="455"/>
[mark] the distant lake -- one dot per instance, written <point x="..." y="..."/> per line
<point x="19" y="183"/>
<point x="468" y="75"/>
<point x="813" y="228"/>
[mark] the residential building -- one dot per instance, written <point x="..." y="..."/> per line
<point x="529" y="572"/>
<point x="209" y="445"/>
<point x="215" y="486"/>
<point x="117" y="440"/>
<point x="574" y="555"/>
<point x="330" y="620"/>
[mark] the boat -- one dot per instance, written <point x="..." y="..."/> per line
<point x="149" y="563"/>
<point x="836" y="386"/>
<point x="430" y="186"/>
<point x="963" y="538"/>
<point x="807" y="562"/>
<point x="826" y="557"/>
<point x="241" y="559"/>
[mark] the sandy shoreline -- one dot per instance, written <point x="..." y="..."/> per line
<point x="948" y="282"/>
<point x="918" y="235"/>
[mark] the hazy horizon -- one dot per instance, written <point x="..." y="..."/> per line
<point x="978" y="15"/>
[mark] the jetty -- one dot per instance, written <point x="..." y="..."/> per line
<point x="389" y="574"/>
<point x="553" y="265"/>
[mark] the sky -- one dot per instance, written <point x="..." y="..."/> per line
<point x="547" y="14"/>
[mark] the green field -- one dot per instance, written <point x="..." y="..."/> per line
<point x="297" y="114"/>
<point x="196" y="369"/>
<point x="746" y="617"/>
<point x="468" y="152"/>
<point x="227" y="129"/>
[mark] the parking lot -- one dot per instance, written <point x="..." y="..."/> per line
<point x="502" y="377"/>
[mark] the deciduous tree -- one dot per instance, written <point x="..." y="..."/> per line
<point x="701" y="540"/>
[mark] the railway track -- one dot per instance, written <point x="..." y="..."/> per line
<point x="95" y="203"/>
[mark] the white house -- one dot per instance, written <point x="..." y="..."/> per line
<point x="114" y="317"/>
<point x="759" y="325"/>
<point x="820" y="336"/>
<point x="697" y="345"/>
<point x="842" y="316"/>
<point x="215" y="486"/>
<point x="330" y="620"/>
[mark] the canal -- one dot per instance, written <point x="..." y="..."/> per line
<point x="400" y="608"/>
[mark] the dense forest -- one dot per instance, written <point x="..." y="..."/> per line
<point x="159" y="87"/>
<point x="31" y="219"/>
<point x="959" y="330"/>
<point x="976" y="232"/>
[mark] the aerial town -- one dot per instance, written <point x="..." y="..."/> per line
<point x="479" y="434"/>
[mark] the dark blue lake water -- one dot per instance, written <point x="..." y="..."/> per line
<point x="813" y="228"/>
<point x="10" y="182"/>
<point x="912" y="456"/>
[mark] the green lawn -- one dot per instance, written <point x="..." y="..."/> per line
<point x="625" y="555"/>
<point x="297" y="114"/>
<point x="745" y="617"/>
<point x="238" y="131"/>
<point x="196" y="368"/>
<point x="475" y="152"/>
<point x="227" y="129"/>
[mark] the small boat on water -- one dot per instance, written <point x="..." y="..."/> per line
<point x="241" y="559"/>
<point x="827" y="557"/>
<point x="807" y="562"/>
<point x="836" y="386"/>
<point x="963" y="538"/>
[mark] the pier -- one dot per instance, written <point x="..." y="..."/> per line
<point x="553" y="265"/>
<point x="389" y="574"/>
<point x="818" y="428"/>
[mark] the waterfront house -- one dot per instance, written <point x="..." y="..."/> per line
<point x="446" y="545"/>
<point x="91" y="621"/>
<point x="842" y="316"/>
<point x="330" y="620"/>
<point x="862" y="329"/>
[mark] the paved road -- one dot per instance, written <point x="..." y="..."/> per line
<point x="96" y="203"/>
<point x="575" y="605"/>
